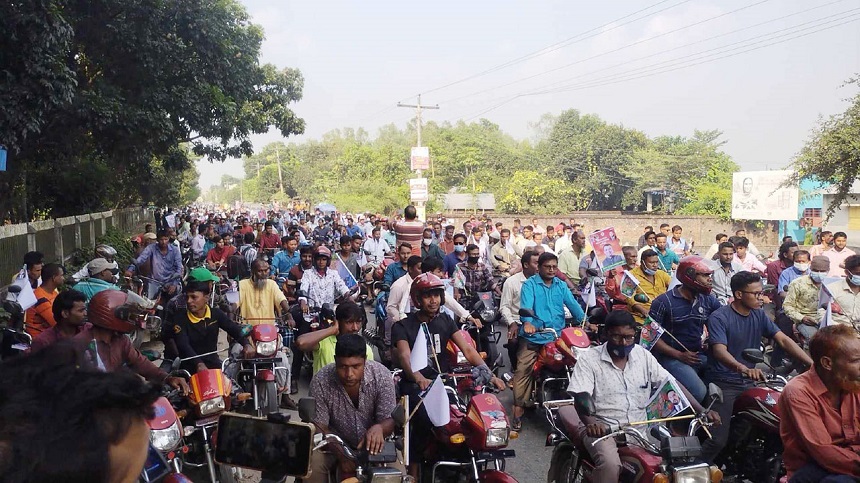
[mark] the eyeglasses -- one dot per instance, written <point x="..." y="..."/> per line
<point x="459" y="243"/>
<point x="622" y="338"/>
<point x="550" y="267"/>
<point x="758" y="294"/>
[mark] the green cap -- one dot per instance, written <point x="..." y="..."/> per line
<point x="202" y="274"/>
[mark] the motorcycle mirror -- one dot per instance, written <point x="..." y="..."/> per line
<point x="301" y="294"/>
<point x="15" y="289"/>
<point x="478" y="305"/>
<point x="753" y="355"/>
<point x="641" y="298"/>
<point x="307" y="409"/>
<point x="715" y="394"/>
<point x="176" y="364"/>
<point x="584" y="403"/>
<point x="592" y="272"/>
<point x="399" y="415"/>
<point x="527" y="313"/>
<point x="660" y="432"/>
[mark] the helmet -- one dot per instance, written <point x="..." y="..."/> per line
<point x="423" y="284"/>
<point x="689" y="268"/>
<point x="322" y="252"/>
<point x="112" y="309"/>
<point x="105" y="251"/>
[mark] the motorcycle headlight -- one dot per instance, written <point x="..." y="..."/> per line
<point x="385" y="475"/>
<point x="167" y="439"/>
<point x="693" y="474"/>
<point x="497" y="437"/>
<point x="267" y="348"/>
<point x="212" y="406"/>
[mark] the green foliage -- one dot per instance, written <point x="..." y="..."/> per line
<point x="579" y="162"/>
<point x="98" y="100"/>
<point x="832" y="154"/>
<point x="120" y="240"/>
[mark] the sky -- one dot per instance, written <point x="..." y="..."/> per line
<point x="761" y="71"/>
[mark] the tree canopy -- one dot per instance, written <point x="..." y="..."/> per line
<point x="832" y="154"/>
<point x="574" y="162"/>
<point x="107" y="102"/>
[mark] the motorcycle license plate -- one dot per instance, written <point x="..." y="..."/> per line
<point x="498" y="454"/>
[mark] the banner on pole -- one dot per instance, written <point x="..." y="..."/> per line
<point x="420" y="158"/>
<point x="418" y="189"/>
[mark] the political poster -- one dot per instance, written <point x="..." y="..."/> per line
<point x="650" y="333"/>
<point x="420" y="158"/>
<point x="757" y="195"/>
<point x="607" y="248"/>
<point x="668" y="401"/>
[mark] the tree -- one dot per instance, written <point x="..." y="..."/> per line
<point x="109" y="86"/>
<point x="832" y="154"/>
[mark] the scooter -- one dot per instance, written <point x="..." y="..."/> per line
<point x="677" y="458"/>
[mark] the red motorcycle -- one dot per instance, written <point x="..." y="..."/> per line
<point x="257" y="374"/>
<point x="754" y="448"/>
<point x="472" y="444"/>
<point x="166" y="434"/>
<point x="676" y="459"/>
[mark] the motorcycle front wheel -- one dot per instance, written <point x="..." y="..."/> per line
<point x="566" y="469"/>
<point x="268" y="393"/>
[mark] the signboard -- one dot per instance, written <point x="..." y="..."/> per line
<point x="420" y="159"/>
<point x="418" y="190"/>
<point x="607" y="248"/>
<point x="756" y="195"/>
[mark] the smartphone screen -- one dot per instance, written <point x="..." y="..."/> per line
<point x="284" y="449"/>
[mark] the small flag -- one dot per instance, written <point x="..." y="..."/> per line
<point x="93" y="357"/>
<point x="628" y="284"/>
<point x="419" y="357"/>
<point x="650" y="333"/>
<point x="667" y="401"/>
<point x="345" y="274"/>
<point x="436" y="403"/>
<point x="591" y="299"/>
<point x="828" y="316"/>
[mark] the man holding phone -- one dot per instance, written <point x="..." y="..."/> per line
<point x="354" y="400"/>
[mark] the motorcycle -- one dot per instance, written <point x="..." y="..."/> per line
<point x="677" y="458"/>
<point x="471" y="446"/>
<point x="147" y="293"/>
<point x="485" y="307"/>
<point x="554" y="365"/>
<point x="754" y="448"/>
<point x="15" y="339"/>
<point x="317" y="318"/>
<point x="166" y="433"/>
<point x="257" y="374"/>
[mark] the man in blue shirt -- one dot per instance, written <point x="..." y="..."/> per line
<point x="287" y="258"/>
<point x="397" y="270"/>
<point x="799" y="269"/>
<point x="458" y="255"/>
<point x="734" y="328"/>
<point x="352" y="229"/>
<point x="166" y="263"/>
<point x="101" y="277"/>
<point x="668" y="259"/>
<point x="546" y="296"/>
<point x="683" y="312"/>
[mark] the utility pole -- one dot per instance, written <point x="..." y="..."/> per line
<point x="280" y="176"/>
<point x="420" y="205"/>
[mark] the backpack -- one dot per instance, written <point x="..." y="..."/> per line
<point x="237" y="267"/>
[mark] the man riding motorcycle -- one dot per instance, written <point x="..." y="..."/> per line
<point x="620" y="375"/>
<point x="102" y="251"/>
<point x="684" y="311"/>
<point x="166" y="262"/>
<point x="101" y="277"/>
<point x="321" y="286"/>
<point x="348" y="317"/>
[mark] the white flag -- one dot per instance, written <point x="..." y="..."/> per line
<point x="418" y="358"/>
<point x="828" y="316"/>
<point x="591" y="301"/>
<point x="436" y="403"/>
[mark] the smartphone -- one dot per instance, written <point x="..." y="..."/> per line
<point x="279" y="448"/>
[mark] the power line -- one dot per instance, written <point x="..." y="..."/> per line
<point x="555" y="69"/>
<point x="563" y="43"/>
<point x="620" y="77"/>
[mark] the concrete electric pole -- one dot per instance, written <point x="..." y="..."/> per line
<point x="420" y="205"/>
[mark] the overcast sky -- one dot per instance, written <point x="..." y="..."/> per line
<point x="760" y="71"/>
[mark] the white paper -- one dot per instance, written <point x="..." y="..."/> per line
<point x="26" y="298"/>
<point x="171" y="221"/>
<point x="436" y="403"/>
<point x="418" y="357"/>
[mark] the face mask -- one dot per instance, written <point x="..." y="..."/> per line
<point x="816" y="276"/>
<point x="459" y="248"/>
<point x="648" y="271"/>
<point x="801" y="267"/>
<point x="472" y="259"/>
<point x="855" y="280"/>
<point x="619" y="351"/>
<point x="427" y="241"/>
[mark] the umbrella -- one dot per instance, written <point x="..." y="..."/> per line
<point x="326" y="207"/>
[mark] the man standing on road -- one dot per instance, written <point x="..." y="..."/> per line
<point x="510" y="302"/>
<point x="838" y="254"/>
<point x="546" y="296"/>
<point x="410" y="231"/>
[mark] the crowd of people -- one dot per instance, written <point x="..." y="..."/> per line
<point x="292" y="263"/>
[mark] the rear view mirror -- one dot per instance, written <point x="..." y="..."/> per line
<point x="307" y="409"/>
<point x="15" y="289"/>
<point x="584" y="403"/>
<point x="753" y="355"/>
<point x="592" y="272"/>
<point x="715" y="394"/>
<point x="399" y="415"/>
<point x="527" y="313"/>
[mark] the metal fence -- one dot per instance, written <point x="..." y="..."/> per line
<point x="57" y="239"/>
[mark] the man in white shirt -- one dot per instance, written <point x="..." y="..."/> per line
<point x="510" y="302"/>
<point x="377" y="246"/>
<point x="838" y="254"/>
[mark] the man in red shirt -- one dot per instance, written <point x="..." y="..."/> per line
<point x="270" y="240"/>
<point x="70" y="312"/>
<point x="820" y="411"/>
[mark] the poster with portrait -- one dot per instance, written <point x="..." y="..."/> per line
<point x="758" y="195"/>
<point x="667" y="401"/>
<point x="607" y="248"/>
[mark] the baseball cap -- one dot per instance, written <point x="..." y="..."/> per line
<point x="98" y="265"/>
<point x="202" y="274"/>
<point x="149" y="236"/>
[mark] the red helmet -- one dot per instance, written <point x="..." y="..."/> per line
<point x="689" y="268"/>
<point x="423" y="284"/>
<point x="322" y="251"/>
<point x="112" y="309"/>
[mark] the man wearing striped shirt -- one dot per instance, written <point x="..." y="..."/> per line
<point x="410" y="231"/>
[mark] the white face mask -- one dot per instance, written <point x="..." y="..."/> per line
<point x="427" y="241"/>
<point x="801" y="267"/>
